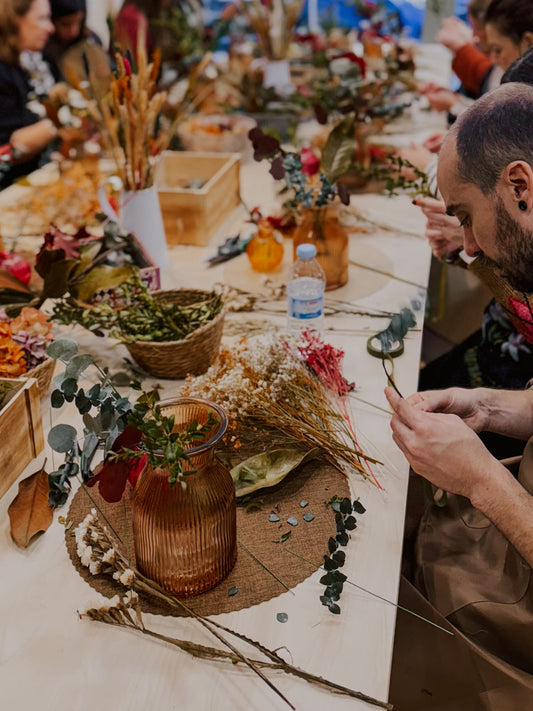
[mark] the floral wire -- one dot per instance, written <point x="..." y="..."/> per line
<point x="390" y="376"/>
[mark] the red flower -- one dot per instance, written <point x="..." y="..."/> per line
<point x="114" y="474"/>
<point x="310" y="162"/>
<point x="17" y="266"/>
<point x="525" y="325"/>
<point x="355" y="60"/>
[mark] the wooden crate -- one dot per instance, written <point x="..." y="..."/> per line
<point x="21" y="430"/>
<point x="192" y="216"/>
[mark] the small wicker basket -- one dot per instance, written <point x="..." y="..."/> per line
<point x="193" y="355"/>
<point x="43" y="374"/>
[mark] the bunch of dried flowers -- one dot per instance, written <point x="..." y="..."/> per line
<point x="273" y="21"/>
<point x="266" y="383"/>
<point x="23" y="341"/>
<point x="129" y="116"/>
<point x="100" y="552"/>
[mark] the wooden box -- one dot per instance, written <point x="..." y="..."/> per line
<point x="21" y="430"/>
<point x="191" y="216"/>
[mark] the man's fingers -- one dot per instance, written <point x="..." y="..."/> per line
<point x="405" y="411"/>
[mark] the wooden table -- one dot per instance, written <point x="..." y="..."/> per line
<point x="52" y="661"/>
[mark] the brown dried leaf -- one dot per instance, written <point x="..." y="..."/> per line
<point x="29" y="512"/>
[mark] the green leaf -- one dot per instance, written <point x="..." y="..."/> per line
<point x="268" y="469"/>
<point x="342" y="538"/>
<point x="77" y="365"/>
<point x="358" y="507"/>
<point x="62" y="349"/>
<point x="61" y="438"/>
<point x="69" y="388"/>
<point x="233" y="591"/>
<point x="339" y="557"/>
<point x="308" y="517"/>
<point x="101" y="277"/>
<point x="346" y="506"/>
<point x="56" y="280"/>
<point x="282" y="617"/>
<point x="121" y="379"/>
<point x="88" y="252"/>
<point x="334" y="608"/>
<point x="350" y="523"/>
<point x="332" y="545"/>
<point x="57" y="399"/>
<point x="337" y="156"/>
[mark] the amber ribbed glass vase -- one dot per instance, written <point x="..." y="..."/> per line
<point x="186" y="538"/>
<point x="321" y="226"/>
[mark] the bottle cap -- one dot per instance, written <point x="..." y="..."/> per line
<point x="306" y="251"/>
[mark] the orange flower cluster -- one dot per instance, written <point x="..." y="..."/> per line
<point x="34" y="325"/>
<point x="12" y="360"/>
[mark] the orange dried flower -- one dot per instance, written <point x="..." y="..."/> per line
<point x="12" y="361"/>
<point x="34" y="322"/>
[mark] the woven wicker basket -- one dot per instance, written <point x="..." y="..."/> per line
<point x="43" y="374"/>
<point x="193" y="355"/>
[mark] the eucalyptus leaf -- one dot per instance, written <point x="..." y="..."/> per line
<point x="268" y="469"/>
<point x="77" y="365"/>
<point x="61" y="438"/>
<point x="62" y="349"/>
<point x="282" y="617"/>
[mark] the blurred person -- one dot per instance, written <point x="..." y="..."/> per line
<point x="509" y="30"/>
<point x="25" y="25"/>
<point x="133" y="20"/>
<point x="68" y="17"/>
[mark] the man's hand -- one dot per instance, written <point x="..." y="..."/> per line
<point x="443" y="231"/>
<point x="441" y="447"/>
<point x="467" y="404"/>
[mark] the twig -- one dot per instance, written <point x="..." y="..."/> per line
<point x="373" y="594"/>
<point x="252" y="555"/>
<point x="387" y="274"/>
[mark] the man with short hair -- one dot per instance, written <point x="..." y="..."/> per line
<point x="474" y="556"/>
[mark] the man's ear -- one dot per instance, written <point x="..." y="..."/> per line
<point x="518" y="182"/>
<point x="527" y="40"/>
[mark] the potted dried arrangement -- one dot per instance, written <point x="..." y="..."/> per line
<point x="184" y="516"/>
<point x="311" y="192"/>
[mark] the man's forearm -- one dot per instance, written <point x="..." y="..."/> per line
<point x="509" y="506"/>
<point x="508" y="412"/>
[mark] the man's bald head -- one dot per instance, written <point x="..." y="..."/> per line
<point x="495" y="131"/>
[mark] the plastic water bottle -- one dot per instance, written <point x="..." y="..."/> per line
<point x="306" y="284"/>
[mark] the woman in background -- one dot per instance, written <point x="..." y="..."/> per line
<point x="24" y="25"/>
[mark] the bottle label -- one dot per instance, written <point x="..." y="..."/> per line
<point x="306" y="308"/>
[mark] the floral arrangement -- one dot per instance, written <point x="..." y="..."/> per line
<point x="309" y="180"/>
<point x="273" y="21"/>
<point x="23" y="341"/>
<point x="130" y="115"/>
<point x="293" y="389"/>
<point x="131" y="434"/>
<point x="82" y="265"/>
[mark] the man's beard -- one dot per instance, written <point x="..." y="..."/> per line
<point x="515" y="249"/>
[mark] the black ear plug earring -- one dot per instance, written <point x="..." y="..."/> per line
<point x="522" y="205"/>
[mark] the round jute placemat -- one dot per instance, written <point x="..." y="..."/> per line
<point x="314" y="482"/>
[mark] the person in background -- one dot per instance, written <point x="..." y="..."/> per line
<point x="509" y="30"/>
<point x="25" y="25"/>
<point x="68" y="17"/>
<point x="133" y="19"/>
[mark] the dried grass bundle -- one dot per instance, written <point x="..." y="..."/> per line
<point x="273" y="23"/>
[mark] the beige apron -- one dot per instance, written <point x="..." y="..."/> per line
<point x="479" y="587"/>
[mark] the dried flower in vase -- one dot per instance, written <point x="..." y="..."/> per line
<point x="130" y="118"/>
<point x="273" y="21"/>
